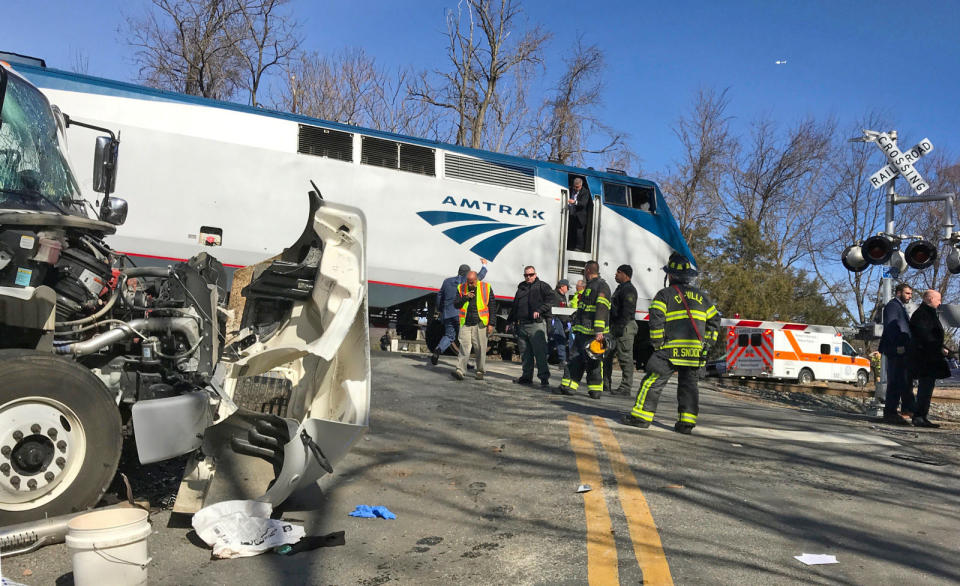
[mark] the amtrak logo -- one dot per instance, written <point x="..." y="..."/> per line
<point x="466" y="226"/>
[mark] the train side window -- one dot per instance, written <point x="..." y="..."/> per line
<point x="824" y="348"/>
<point x="643" y="198"/>
<point x="615" y="194"/>
<point x="743" y="340"/>
<point x="756" y="340"/>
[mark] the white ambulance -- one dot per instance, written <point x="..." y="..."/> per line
<point x="792" y="351"/>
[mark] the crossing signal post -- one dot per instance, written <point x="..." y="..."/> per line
<point x="883" y="248"/>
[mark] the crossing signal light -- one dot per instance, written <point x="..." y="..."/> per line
<point x="921" y="254"/>
<point x="852" y="259"/>
<point x="953" y="260"/>
<point x="878" y="249"/>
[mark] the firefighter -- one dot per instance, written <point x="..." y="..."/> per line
<point x="590" y="328"/>
<point x="683" y="324"/>
<point x="623" y="332"/>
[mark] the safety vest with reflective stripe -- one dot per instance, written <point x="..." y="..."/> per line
<point x="671" y="328"/>
<point x="482" y="299"/>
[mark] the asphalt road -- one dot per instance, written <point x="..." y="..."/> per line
<point x="483" y="477"/>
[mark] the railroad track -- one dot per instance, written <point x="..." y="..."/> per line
<point x="947" y="395"/>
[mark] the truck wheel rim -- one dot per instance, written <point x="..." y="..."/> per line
<point x="42" y="448"/>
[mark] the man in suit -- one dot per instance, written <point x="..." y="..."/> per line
<point x="580" y="203"/>
<point x="893" y="345"/>
<point x="449" y="312"/>
<point x="927" y="356"/>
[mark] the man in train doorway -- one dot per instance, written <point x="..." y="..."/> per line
<point x="590" y="329"/>
<point x="683" y="324"/>
<point x="449" y="312"/>
<point x="580" y="205"/>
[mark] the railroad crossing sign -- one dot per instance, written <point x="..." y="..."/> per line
<point x="901" y="162"/>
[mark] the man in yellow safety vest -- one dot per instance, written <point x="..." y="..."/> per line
<point x="476" y="302"/>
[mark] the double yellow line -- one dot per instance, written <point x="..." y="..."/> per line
<point x="601" y="549"/>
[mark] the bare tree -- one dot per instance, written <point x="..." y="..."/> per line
<point x="485" y="84"/>
<point x="81" y="62"/>
<point x="263" y="37"/>
<point x="211" y="48"/>
<point x="350" y="87"/>
<point x="693" y="187"/>
<point x="182" y="46"/>
<point x="568" y="121"/>
<point x="927" y="220"/>
<point x="776" y="182"/>
<point x="850" y="211"/>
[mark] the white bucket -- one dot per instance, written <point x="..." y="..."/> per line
<point x="109" y="547"/>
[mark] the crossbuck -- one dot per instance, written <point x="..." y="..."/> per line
<point x="901" y="162"/>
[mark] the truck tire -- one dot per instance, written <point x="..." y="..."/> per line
<point x="863" y="377"/>
<point x="805" y="377"/>
<point x="60" y="437"/>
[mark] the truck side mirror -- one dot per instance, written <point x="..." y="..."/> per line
<point x="114" y="211"/>
<point x="105" y="165"/>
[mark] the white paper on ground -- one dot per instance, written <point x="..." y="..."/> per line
<point x="815" y="559"/>
<point x="584" y="488"/>
<point x="243" y="528"/>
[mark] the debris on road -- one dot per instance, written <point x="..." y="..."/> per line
<point x="243" y="528"/>
<point x="311" y="542"/>
<point x="368" y="512"/>
<point x="816" y="559"/>
<point x="584" y="488"/>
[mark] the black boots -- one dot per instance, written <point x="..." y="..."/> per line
<point x="632" y="421"/>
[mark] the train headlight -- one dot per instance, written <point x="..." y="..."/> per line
<point x="878" y="249"/>
<point x="852" y="259"/>
<point x="921" y="254"/>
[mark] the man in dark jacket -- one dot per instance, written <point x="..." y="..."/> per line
<point x="580" y="204"/>
<point x="893" y="345"/>
<point x="927" y="355"/>
<point x="449" y="312"/>
<point x="529" y="314"/>
<point x="623" y="332"/>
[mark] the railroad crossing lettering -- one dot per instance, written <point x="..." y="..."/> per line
<point x="901" y="163"/>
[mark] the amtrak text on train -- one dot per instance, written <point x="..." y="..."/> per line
<point x="493" y="206"/>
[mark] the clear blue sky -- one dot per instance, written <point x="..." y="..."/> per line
<point x="843" y="58"/>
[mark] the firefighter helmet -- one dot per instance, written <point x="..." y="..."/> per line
<point x="679" y="266"/>
<point x="596" y="348"/>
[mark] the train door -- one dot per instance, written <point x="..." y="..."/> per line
<point x="580" y="226"/>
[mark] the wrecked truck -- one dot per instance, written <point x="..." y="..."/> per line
<point x="95" y="351"/>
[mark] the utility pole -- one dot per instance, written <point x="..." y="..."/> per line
<point x="880" y="392"/>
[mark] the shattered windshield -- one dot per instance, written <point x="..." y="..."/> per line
<point x="34" y="173"/>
